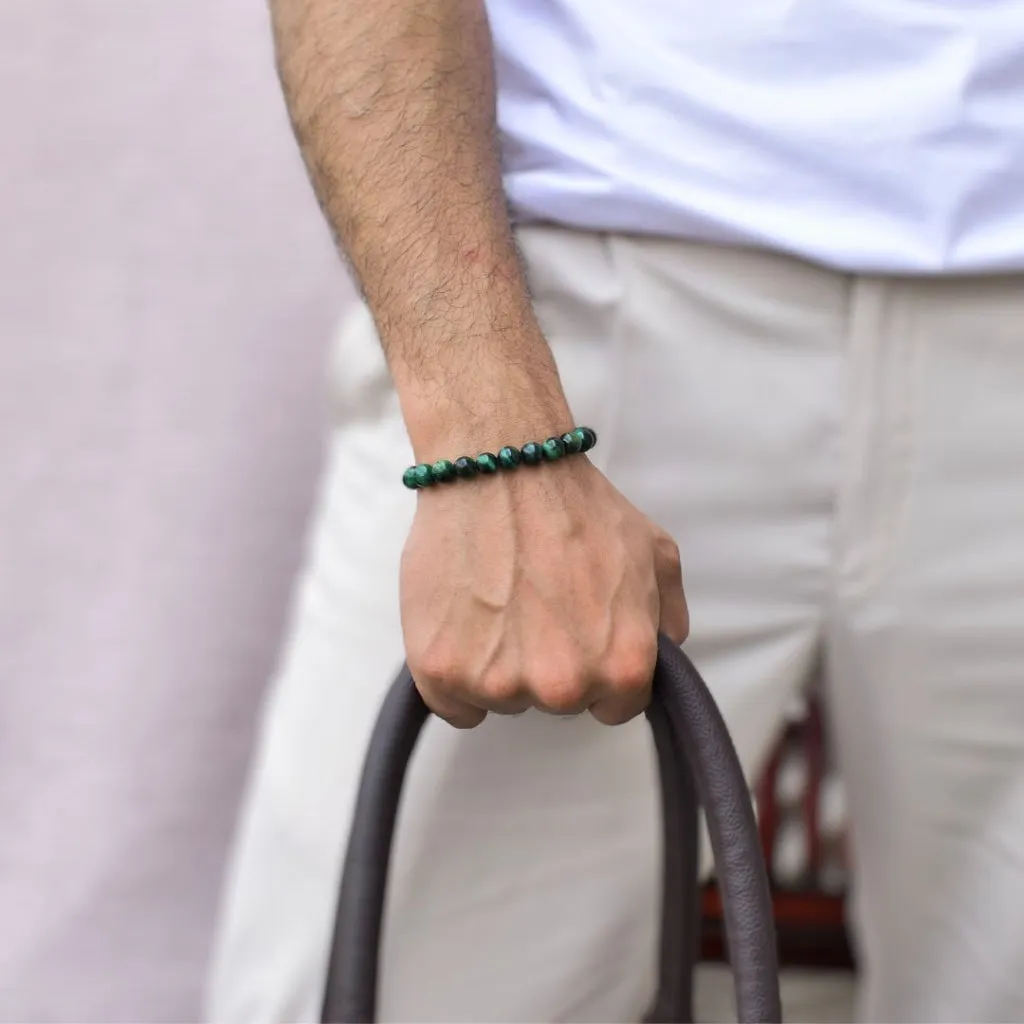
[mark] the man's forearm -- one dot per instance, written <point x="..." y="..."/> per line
<point x="393" y="106"/>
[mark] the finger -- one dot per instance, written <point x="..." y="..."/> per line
<point x="499" y="693"/>
<point x="558" y="685"/>
<point x="618" y="710"/>
<point x="511" y="706"/>
<point x="455" y="711"/>
<point x="630" y="676"/>
<point x="567" y="705"/>
<point x="673" y="616"/>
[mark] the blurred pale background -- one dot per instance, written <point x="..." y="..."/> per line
<point x="167" y="293"/>
<point x="167" y="296"/>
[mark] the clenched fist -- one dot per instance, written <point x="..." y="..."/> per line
<point x="540" y="588"/>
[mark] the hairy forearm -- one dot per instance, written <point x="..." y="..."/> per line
<point x="393" y="106"/>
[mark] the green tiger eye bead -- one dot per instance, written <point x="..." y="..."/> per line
<point x="487" y="463"/>
<point x="465" y="467"/>
<point x="444" y="471"/>
<point x="409" y="478"/>
<point x="553" y="449"/>
<point x="531" y="453"/>
<point x="573" y="442"/>
<point x="589" y="438"/>
<point x="509" y="457"/>
<point x="424" y="475"/>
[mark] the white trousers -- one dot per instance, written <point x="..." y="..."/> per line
<point x="841" y="460"/>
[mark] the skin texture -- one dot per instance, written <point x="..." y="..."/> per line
<point x="544" y="588"/>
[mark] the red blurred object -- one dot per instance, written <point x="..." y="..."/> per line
<point x="801" y="816"/>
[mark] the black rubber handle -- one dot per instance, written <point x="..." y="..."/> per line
<point x="689" y="732"/>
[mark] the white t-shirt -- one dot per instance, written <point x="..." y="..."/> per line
<point x="868" y="135"/>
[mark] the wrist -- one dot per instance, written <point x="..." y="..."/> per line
<point x="485" y="405"/>
<point x="450" y="434"/>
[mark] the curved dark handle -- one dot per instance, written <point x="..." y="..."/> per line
<point x="688" y="730"/>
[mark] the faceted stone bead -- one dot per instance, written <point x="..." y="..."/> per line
<point x="573" y="442"/>
<point x="465" y="467"/>
<point x="532" y="454"/>
<point x="553" y="449"/>
<point x="409" y="478"/>
<point x="589" y="438"/>
<point x="444" y="471"/>
<point x="487" y="463"/>
<point x="424" y="475"/>
<point x="509" y="457"/>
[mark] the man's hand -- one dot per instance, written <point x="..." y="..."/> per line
<point x="541" y="588"/>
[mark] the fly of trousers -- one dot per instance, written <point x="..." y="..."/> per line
<point x="841" y="460"/>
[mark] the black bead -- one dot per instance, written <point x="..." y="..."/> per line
<point x="589" y="438"/>
<point x="532" y="453"/>
<point x="509" y="457"/>
<point x="487" y="463"/>
<point x="573" y="442"/>
<point x="424" y="475"/>
<point x="553" y="449"/>
<point x="465" y="467"/>
<point x="444" y="471"/>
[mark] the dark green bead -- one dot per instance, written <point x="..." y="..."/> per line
<point x="573" y="442"/>
<point x="553" y="449"/>
<point x="509" y="457"/>
<point x="444" y="471"/>
<point x="465" y="467"/>
<point x="531" y="453"/>
<point x="409" y="478"/>
<point x="424" y="475"/>
<point x="589" y="438"/>
<point x="487" y="463"/>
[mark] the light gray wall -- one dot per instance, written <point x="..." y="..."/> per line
<point x="167" y="292"/>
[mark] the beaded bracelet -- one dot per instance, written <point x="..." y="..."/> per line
<point x="533" y="453"/>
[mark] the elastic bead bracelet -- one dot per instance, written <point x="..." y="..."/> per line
<point x="533" y="453"/>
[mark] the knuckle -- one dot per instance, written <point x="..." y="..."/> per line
<point x="630" y="667"/>
<point x="562" y="693"/>
<point x="564" y="700"/>
<point x="434" y="664"/>
<point x="666" y="544"/>
<point x="499" y="689"/>
<point x="453" y="711"/>
<point x="668" y="553"/>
